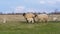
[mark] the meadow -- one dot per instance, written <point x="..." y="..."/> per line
<point x="16" y="26"/>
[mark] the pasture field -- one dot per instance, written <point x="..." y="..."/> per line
<point x="21" y="27"/>
<point x="16" y="24"/>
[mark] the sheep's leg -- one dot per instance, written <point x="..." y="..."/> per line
<point x="32" y="21"/>
<point x="39" y="20"/>
<point x="26" y="20"/>
<point x="46" y="21"/>
<point x="29" y="21"/>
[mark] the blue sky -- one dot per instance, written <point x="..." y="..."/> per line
<point x="20" y="6"/>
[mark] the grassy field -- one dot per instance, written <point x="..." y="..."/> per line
<point x="16" y="25"/>
<point x="21" y="27"/>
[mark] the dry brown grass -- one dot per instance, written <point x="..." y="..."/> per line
<point x="12" y="17"/>
<point x="21" y="17"/>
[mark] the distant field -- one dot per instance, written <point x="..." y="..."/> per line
<point x="17" y="27"/>
<point x="12" y="17"/>
<point x="21" y="17"/>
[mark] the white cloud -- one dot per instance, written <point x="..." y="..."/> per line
<point x="30" y="10"/>
<point x="51" y="2"/>
<point x="19" y="9"/>
<point x="42" y="2"/>
<point x="48" y="2"/>
<point x="58" y="0"/>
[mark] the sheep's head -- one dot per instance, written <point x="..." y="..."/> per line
<point x="35" y="15"/>
<point x="23" y="14"/>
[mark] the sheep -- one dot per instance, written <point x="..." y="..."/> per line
<point x="42" y="17"/>
<point x="29" y="17"/>
<point x="55" y="18"/>
<point x="4" y="20"/>
<point x="30" y="20"/>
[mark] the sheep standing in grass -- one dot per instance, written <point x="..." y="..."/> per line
<point x="29" y="17"/>
<point x="42" y="17"/>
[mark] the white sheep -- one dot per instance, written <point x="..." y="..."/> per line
<point x="29" y="17"/>
<point x="55" y="18"/>
<point x="42" y="17"/>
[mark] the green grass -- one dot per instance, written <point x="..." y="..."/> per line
<point x="14" y="27"/>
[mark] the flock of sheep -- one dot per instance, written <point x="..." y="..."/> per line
<point x="32" y="18"/>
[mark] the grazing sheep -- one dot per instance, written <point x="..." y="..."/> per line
<point x="29" y="17"/>
<point x="42" y="17"/>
